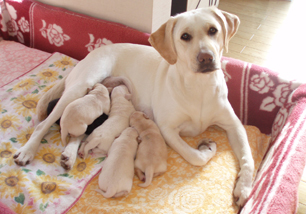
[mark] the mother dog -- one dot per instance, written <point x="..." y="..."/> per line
<point x="178" y="82"/>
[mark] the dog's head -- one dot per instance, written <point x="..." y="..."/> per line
<point x="196" y="38"/>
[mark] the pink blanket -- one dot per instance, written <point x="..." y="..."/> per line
<point x="15" y="60"/>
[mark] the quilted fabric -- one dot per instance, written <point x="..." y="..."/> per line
<point x="42" y="186"/>
<point x="183" y="188"/>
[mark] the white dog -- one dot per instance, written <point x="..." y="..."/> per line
<point x="178" y="82"/>
<point x="151" y="156"/>
<point x="116" y="178"/>
<point x="100" y="140"/>
<point x="83" y="111"/>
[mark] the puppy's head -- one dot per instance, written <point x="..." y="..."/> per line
<point x="121" y="91"/>
<point x="196" y="38"/>
<point x="137" y="118"/>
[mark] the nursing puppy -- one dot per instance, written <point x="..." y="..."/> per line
<point x="83" y="111"/>
<point x="151" y="157"/>
<point x="116" y="178"/>
<point x="100" y="140"/>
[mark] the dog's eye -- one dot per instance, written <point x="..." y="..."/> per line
<point x="212" y="31"/>
<point x="186" y="37"/>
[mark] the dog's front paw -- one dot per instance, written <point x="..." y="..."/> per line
<point x="68" y="159"/>
<point x="242" y="191"/>
<point x="207" y="145"/>
<point x="24" y="156"/>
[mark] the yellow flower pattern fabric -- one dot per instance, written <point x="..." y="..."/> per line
<point x="183" y="188"/>
<point x="45" y="187"/>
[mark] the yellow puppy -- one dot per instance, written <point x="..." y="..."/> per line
<point x="151" y="157"/>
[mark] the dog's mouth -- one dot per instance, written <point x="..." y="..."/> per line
<point x="207" y="70"/>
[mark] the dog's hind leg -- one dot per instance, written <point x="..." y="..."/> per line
<point x="25" y="154"/>
<point x="52" y="94"/>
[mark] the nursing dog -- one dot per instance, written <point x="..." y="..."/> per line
<point x="151" y="156"/>
<point x="116" y="177"/>
<point x="178" y="82"/>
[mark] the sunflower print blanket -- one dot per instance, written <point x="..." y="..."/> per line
<point x="44" y="186"/>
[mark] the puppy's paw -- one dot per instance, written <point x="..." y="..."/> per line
<point x="68" y="159"/>
<point x="207" y="145"/>
<point x="81" y="151"/>
<point x="24" y="156"/>
<point x="242" y="191"/>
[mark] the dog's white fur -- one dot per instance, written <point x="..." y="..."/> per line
<point x="116" y="178"/>
<point x="151" y="156"/>
<point x="170" y="84"/>
<point x="83" y="111"/>
<point x="100" y="140"/>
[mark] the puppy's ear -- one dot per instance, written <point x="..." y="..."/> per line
<point x="162" y="41"/>
<point x="109" y="90"/>
<point x="230" y="24"/>
<point x="139" y="139"/>
<point x="145" y="116"/>
<point x="128" y="97"/>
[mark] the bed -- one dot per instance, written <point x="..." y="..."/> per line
<point x="41" y="45"/>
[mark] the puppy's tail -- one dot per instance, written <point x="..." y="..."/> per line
<point x="52" y="94"/>
<point x="149" y="177"/>
<point x="107" y="193"/>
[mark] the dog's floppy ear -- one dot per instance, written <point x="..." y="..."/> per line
<point x="230" y="24"/>
<point x="162" y="41"/>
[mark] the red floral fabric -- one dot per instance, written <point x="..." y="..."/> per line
<point x="54" y="29"/>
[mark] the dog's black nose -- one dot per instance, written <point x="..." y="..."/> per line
<point x="205" y="57"/>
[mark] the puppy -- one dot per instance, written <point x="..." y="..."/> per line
<point x="151" y="157"/>
<point x="116" y="178"/>
<point x="100" y="140"/>
<point x="90" y="128"/>
<point x="83" y="111"/>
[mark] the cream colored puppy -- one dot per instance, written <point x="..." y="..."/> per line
<point x="151" y="157"/>
<point x="100" y="140"/>
<point x="116" y="178"/>
<point x="83" y="111"/>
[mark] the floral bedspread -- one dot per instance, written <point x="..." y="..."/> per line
<point x="42" y="186"/>
<point x="45" y="187"/>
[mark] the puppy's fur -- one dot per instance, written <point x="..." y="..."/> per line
<point x="100" y="140"/>
<point x="178" y="82"/>
<point x="96" y="123"/>
<point x="83" y="111"/>
<point x="116" y="178"/>
<point x="151" y="157"/>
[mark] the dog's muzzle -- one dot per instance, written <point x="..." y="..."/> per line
<point x="207" y="62"/>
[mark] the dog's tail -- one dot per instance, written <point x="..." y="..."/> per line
<point x="149" y="176"/>
<point x="52" y="94"/>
